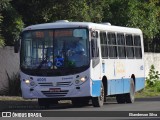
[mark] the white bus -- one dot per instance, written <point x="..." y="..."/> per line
<point x="81" y="61"/>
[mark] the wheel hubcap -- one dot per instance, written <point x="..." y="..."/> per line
<point x="132" y="91"/>
<point x="102" y="94"/>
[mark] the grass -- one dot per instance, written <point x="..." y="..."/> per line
<point x="148" y="92"/>
<point x="13" y="98"/>
<point x="152" y="88"/>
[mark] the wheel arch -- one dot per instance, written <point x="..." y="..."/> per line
<point x="134" y="79"/>
<point x="105" y="84"/>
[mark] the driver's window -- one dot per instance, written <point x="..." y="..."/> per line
<point x="95" y="48"/>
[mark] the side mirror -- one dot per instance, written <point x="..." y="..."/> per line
<point x="16" y="46"/>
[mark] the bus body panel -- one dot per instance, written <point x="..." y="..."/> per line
<point x="120" y="86"/>
<point x="96" y="86"/>
<point x="95" y="76"/>
<point x="118" y="73"/>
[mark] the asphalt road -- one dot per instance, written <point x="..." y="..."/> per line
<point x="141" y="105"/>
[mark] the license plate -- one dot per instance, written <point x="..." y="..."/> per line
<point x="54" y="89"/>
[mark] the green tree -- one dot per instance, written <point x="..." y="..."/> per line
<point x="116" y="12"/>
<point x="3" y="5"/>
<point x="143" y="14"/>
<point x="52" y="10"/>
<point x="83" y="10"/>
<point x="12" y="25"/>
<point x="1" y="38"/>
<point x="134" y="13"/>
<point x="146" y="16"/>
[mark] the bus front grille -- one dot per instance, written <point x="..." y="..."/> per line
<point x="58" y="84"/>
<point x="46" y="84"/>
<point x="61" y="84"/>
<point x="61" y="93"/>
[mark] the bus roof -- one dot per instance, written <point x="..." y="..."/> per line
<point x="95" y="26"/>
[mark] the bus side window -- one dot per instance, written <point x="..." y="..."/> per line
<point x="104" y="45"/>
<point x="129" y="46"/>
<point x="112" y="45"/>
<point x="137" y="47"/>
<point x="95" y="51"/>
<point x="121" y="45"/>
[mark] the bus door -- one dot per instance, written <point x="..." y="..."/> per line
<point x="95" y="65"/>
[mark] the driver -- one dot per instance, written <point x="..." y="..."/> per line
<point x="78" y="55"/>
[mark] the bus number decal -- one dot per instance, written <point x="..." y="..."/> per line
<point x="141" y="67"/>
<point x="41" y="79"/>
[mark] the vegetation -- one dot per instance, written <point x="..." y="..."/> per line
<point x="152" y="84"/>
<point x="3" y="5"/>
<point x="1" y="39"/>
<point x="143" y="14"/>
<point x="13" y="87"/>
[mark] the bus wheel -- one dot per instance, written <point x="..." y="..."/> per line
<point x="43" y="102"/>
<point x="130" y="97"/>
<point x="99" y="101"/>
<point x="120" y="98"/>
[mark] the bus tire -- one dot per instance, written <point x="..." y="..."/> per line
<point x="120" y="98"/>
<point x="130" y="97"/>
<point x="99" y="101"/>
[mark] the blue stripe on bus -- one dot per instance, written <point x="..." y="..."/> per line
<point x="96" y="86"/>
<point x="140" y="83"/>
<point x="117" y="86"/>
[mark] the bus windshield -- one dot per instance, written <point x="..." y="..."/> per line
<point x="54" y="49"/>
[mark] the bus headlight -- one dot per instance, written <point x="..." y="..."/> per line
<point x="81" y="80"/>
<point x="27" y="81"/>
<point x="30" y="83"/>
